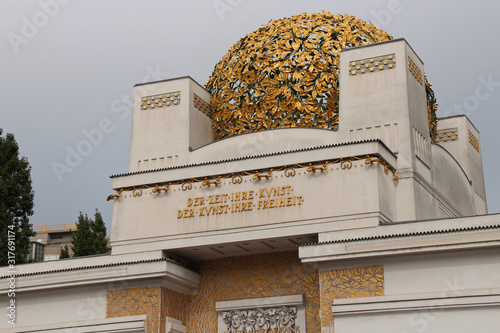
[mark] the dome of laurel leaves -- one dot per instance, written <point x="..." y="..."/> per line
<point x="285" y="74"/>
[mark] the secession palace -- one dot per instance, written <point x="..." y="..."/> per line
<point x="308" y="186"/>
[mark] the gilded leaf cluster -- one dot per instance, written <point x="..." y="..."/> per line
<point x="348" y="283"/>
<point x="285" y="74"/>
<point x="432" y="106"/>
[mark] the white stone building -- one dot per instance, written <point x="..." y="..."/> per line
<point x="375" y="226"/>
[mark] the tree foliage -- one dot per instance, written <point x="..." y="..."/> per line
<point x="16" y="202"/>
<point x="90" y="236"/>
<point x="64" y="252"/>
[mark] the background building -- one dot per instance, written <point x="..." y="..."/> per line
<point x="49" y="240"/>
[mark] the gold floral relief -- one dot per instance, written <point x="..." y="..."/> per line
<point x="137" y="301"/>
<point x="255" y="276"/>
<point x="266" y="275"/>
<point x="174" y="304"/>
<point x="348" y="283"/>
<point x="155" y="302"/>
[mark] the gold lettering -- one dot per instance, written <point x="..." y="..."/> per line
<point x="276" y="191"/>
<point x="241" y="207"/>
<point x="243" y="201"/>
<point x="185" y="213"/>
<point x="249" y="206"/>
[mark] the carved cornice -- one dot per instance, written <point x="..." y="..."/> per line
<point x="257" y="175"/>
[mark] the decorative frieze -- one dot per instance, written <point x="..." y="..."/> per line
<point x="370" y="65"/>
<point x="258" y="175"/>
<point x="417" y="73"/>
<point x="474" y="141"/>
<point x="281" y="314"/>
<point x="203" y="106"/>
<point x="262" y="320"/>
<point x="446" y="135"/>
<point x="161" y="100"/>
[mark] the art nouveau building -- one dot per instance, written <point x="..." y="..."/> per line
<point x="373" y="226"/>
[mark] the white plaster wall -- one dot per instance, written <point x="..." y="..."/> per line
<point x="387" y="197"/>
<point x="263" y="142"/>
<point x="426" y="204"/>
<point x="66" y="305"/>
<point x="451" y="181"/>
<point x="151" y="219"/>
<point x="428" y="320"/>
<point x="476" y="164"/>
<point x="442" y="272"/>
<point x="417" y="101"/>
<point x="200" y="125"/>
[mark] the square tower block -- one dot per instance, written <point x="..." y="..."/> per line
<point x="461" y="139"/>
<point x="169" y="119"/>
<point x="382" y="95"/>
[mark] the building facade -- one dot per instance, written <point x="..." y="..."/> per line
<point x="378" y="225"/>
<point x="49" y="241"/>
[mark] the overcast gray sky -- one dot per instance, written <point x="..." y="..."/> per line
<point x="66" y="66"/>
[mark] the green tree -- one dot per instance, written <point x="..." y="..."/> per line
<point x="101" y="240"/>
<point x="90" y="236"/>
<point x="64" y="252"/>
<point x="16" y="203"/>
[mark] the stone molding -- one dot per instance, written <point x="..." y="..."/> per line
<point x="130" y="324"/>
<point x="174" y="326"/>
<point x="417" y="302"/>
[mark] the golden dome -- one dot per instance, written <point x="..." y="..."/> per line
<point x="285" y="74"/>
